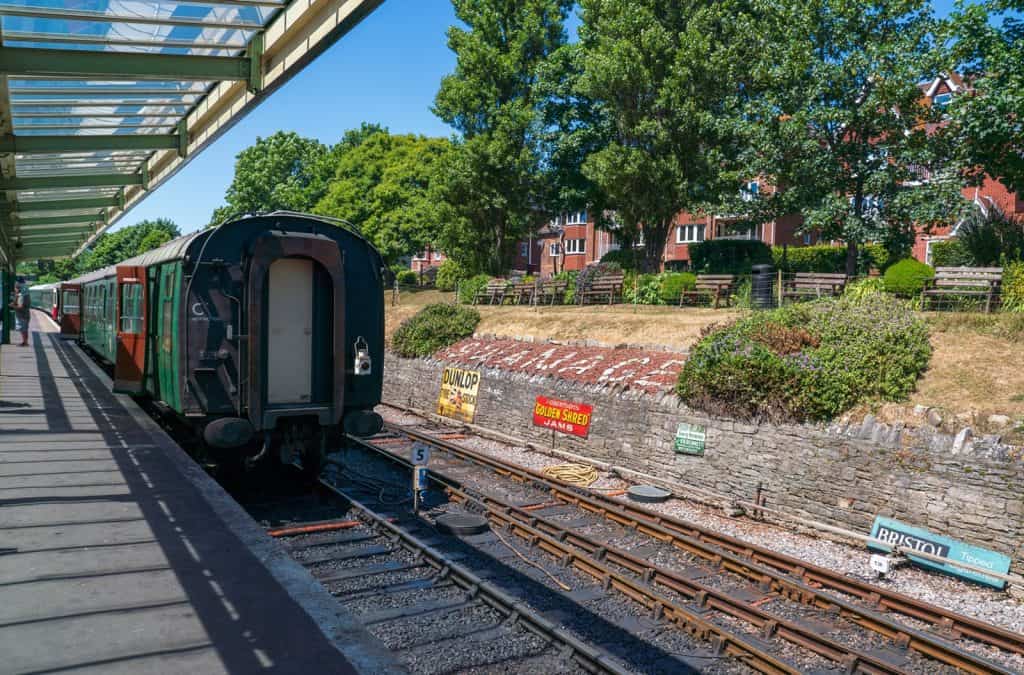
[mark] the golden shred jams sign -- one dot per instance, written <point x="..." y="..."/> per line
<point x="565" y="416"/>
<point x="457" y="399"/>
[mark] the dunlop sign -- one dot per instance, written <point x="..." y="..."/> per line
<point x="900" y="534"/>
<point x="565" y="416"/>
<point x="457" y="399"/>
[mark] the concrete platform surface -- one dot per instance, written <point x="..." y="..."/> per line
<point x="118" y="554"/>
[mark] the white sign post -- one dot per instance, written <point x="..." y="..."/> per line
<point x="420" y="458"/>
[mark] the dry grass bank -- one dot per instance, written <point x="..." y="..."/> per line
<point x="977" y="366"/>
<point x="611" y="325"/>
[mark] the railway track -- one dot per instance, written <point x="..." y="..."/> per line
<point x="434" y="613"/>
<point x="687" y="591"/>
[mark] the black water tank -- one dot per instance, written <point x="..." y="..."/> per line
<point x="762" y="286"/>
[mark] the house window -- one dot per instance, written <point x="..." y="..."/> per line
<point x="750" y="191"/>
<point x="524" y="249"/>
<point x="942" y="100"/>
<point x="690" y="234"/>
<point x="575" y="246"/>
<point x="807" y="238"/>
<point x="724" y="231"/>
<point x="576" y="218"/>
<point x="555" y="250"/>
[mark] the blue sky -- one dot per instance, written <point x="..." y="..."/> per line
<point x="385" y="71"/>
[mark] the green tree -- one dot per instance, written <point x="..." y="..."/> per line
<point x="381" y="184"/>
<point x="839" y="122"/>
<point x="113" y="247"/>
<point x="988" y="124"/>
<point x="283" y="171"/>
<point x="653" y="77"/>
<point x="490" y="189"/>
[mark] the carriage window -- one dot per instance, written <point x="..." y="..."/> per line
<point x="131" y="308"/>
<point x="69" y="302"/>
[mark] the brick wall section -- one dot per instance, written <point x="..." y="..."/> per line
<point x="971" y="489"/>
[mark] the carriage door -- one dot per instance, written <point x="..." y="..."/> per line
<point x="290" y="331"/>
<point x="130" y="315"/>
<point x="70" y="309"/>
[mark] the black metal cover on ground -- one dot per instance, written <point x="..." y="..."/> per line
<point x="461" y="523"/>
<point x="648" y="493"/>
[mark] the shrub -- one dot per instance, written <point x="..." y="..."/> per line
<point x="449" y="274"/>
<point x="468" y="288"/>
<point x="432" y="328"/>
<point x="673" y="283"/>
<point x="861" y="288"/>
<point x="819" y="258"/>
<point x="992" y="237"/>
<point x="828" y="258"/>
<point x="951" y="253"/>
<point x="642" y="289"/>
<point x="809" y="361"/>
<point x="407" y="278"/>
<point x="1013" y="287"/>
<point x="625" y="258"/>
<point x="570" y="289"/>
<point x="907" y="277"/>
<point x="728" y="256"/>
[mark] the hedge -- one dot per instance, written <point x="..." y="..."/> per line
<point x="951" y="253"/>
<point x="907" y="277"/>
<point x="1013" y="287"/>
<point x="449" y="275"/>
<point x="432" y="328"/>
<point x="728" y="256"/>
<point x="809" y="361"/>
<point x="827" y="258"/>
<point x="407" y="278"/>
<point x="625" y="258"/>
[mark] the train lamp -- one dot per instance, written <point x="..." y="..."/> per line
<point x="363" y="364"/>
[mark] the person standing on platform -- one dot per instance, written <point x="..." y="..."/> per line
<point x="22" y="306"/>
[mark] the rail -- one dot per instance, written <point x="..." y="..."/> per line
<point x="764" y="566"/>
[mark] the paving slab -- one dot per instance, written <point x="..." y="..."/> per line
<point x="127" y="557"/>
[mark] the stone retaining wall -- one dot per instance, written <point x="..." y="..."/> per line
<point x="970" y="489"/>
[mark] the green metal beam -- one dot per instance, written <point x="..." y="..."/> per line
<point x="49" y="144"/>
<point x="63" y="204"/>
<point x="122" y="65"/>
<point x="58" y="220"/>
<point x="89" y="180"/>
<point x="50" y="231"/>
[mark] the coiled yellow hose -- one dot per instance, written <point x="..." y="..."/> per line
<point x="574" y="474"/>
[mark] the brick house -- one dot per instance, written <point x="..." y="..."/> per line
<point x="428" y="257"/>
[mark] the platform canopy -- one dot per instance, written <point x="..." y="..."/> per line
<point x="103" y="100"/>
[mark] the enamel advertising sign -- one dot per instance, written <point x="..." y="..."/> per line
<point x="457" y="398"/>
<point x="564" y="416"/>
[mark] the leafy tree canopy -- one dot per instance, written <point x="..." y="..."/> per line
<point x="113" y="247"/>
<point x="381" y="185"/>
<point x="988" y="125"/>
<point x="838" y="121"/>
<point x="490" y="189"/>
<point x="652" y="80"/>
<point x="283" y="171"/>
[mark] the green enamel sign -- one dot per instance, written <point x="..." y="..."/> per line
<point x="690" y="439"/>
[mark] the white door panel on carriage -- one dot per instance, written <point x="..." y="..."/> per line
<point x="290" y="332"/>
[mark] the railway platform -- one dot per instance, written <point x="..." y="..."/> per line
<point x="118" y="554"/>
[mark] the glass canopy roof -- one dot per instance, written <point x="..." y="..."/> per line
<point x="91" y="90"/>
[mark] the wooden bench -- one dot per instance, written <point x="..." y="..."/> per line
<point x="606" y="286"/>
<point x="813" y="285"/>
<point x="493" y="294"/>
<point x="712" y="286"/>
<point x="552" y="291"/>
<point x="522" y="293"/>
<point x="967" y="282"/>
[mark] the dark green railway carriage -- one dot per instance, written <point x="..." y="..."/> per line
<point x="266" y="326"/>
